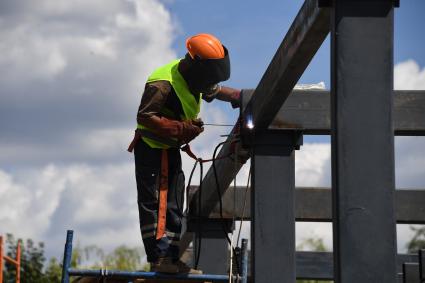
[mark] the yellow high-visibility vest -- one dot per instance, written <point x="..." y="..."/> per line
<point x="190" y="105"/>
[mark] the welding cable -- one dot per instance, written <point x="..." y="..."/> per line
<point x="244" y="206"/>
<point x="199" y="238"/>
<point x="221" y="202"/>
<point x="218" y="125"/>
<point x="177" y="195"/>
<point x="199" y="234"/>
<point x="232" y="254"/>
<point x="185" y="193"/>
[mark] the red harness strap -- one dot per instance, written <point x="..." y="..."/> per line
<point x="163" y="187"/>
<point x="163" y="191"/>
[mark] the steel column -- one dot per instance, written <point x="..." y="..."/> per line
<point x="422" y="265"/>
<point x="272" y="206"/>
<point x="411" y="272"/>
<point x="245" y="259"/>
<point x="363" y="141"/>
<point x="214" y="253"/>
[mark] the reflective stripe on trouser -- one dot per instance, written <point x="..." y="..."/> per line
<point x="148" y="166"/>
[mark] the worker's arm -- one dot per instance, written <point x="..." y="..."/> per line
<point x="224" y="93"/>
<point x="148" y="115"/>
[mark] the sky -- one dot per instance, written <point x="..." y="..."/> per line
<point x="72" y="77"/>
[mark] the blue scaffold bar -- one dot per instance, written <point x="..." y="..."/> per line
<point x="67" y="255"/>
<point x="104" y="273"/>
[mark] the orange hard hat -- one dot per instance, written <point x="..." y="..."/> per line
<point x="205" y="46"/>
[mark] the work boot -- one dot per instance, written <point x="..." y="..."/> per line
<point x="184" y="268"/>
<point x="164" y="265"/>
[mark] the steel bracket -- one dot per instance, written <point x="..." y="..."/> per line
<point x="272" y="141"/>
<point x="252" y="136"/>
<point x="210" y="228"/>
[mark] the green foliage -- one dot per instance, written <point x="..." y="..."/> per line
<point x="313" y="244"/>
<point x="418" y="240"/>
<point x="53" y="271"/>
<point x="124" y="258"/>
<point x="32" y="260"/>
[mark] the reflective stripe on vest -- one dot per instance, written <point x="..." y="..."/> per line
<point x="190" y="106"/>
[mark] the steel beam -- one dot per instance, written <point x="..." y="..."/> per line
<point x="301" y="42"/>
<point x="315" y="205"/>
<point x="319" y="265"/>
<point x="272" y="206"/>
<point x="363" y="141"/>
<point x="309" y="111"/>
<point x="303" y="39"/>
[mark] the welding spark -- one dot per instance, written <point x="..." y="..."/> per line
<point x="250" y="123"/>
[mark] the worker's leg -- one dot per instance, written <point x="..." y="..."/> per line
<point x="175" y="211"/>
<point x="174" y="203"/>
<point x="148" y="164"/>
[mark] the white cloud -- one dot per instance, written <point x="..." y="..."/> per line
<point x="99" y="203"/>
<point x="408" y="75"/>
<point x="71" y="69"/>
<point x="312" y="165"/>
<point x="72" y="77"/>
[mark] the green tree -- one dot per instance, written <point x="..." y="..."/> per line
<point x="418" y="240"/>
<point x="53" y="271"/>
<point x="35" y="269"/>
<point x="313" y="244"/>
<point x="32" y="260"/>
<point x="124" y="258"/>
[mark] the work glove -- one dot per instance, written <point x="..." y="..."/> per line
<point x="189" y="130"/>
<point x="198" y="122"/>
<point x="184" y="131"/>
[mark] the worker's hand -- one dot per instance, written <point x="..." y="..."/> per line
<point x="231" y="95"/>
<point x="198" y="122"/>
<point x="189" y="131"/>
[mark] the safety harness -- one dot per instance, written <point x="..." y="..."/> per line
<point x="163" y="187"/>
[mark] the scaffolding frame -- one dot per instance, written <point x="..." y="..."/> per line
<point x="68" y="271"/>
<point x="16" y="262"/>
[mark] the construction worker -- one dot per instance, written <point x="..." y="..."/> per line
<point x="168" y="118"/>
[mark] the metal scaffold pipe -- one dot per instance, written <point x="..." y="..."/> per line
<point x="67" y="272"/>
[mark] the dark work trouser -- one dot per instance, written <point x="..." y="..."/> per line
<point x="148" y="168"/>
